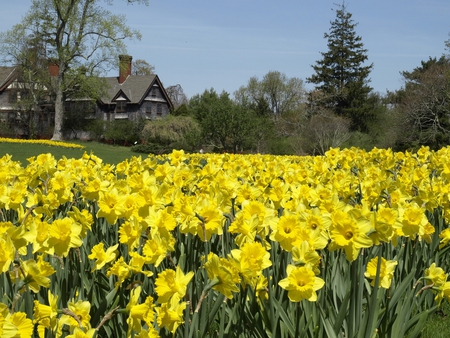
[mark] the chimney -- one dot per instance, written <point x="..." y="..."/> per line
<point x="124" y="67"/>
<point x="53" y="68"/>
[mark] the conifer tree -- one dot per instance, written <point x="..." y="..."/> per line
<point x="341" y="76"/>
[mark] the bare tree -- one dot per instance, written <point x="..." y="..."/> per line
<point x="424" y="103"/>
<point x="275" y="91"/>
<point x="177" y="96"/>
<point x="142" y="67"/>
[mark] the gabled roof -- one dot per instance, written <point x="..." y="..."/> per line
<point x="7" y="75"/>
<point x="135" y="88"/>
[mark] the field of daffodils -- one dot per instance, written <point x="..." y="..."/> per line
<point x="350" y="244"/>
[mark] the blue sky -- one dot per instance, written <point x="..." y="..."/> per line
<point x="203" y="44"/>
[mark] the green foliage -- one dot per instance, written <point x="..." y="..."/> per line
<point x="341" y="75"/>
<point x="6" y="130"/>
<point x="172" y="132"/>
<point x="96" y="129"/>
<point x="124" y="132"/>
<point x="279" y="146"/>
<point x="144" y="148"/>
<point x="225" y="125"/>
<point x="182" y="110"/>
<point x="155" y="148"/>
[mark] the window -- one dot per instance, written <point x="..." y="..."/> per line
<point x="159" y="109"/>
<point x="79" y="106"/>
<point x="14" y="96"/>
<point x="148" y="107"/>
<point x="121" y="107"/>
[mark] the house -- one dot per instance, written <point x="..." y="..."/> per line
<point x="17" y="117"/>
<point x="128" y="97"/>
<point x="8" y="80"/>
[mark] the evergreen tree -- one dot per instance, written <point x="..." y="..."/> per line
<point x="341" y="76"/>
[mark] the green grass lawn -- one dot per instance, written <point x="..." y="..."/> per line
<point x="108" y="153"/>
<point x="438" y="324"/>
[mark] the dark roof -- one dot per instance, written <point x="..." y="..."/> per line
<point x="6" y="76"/>
<point x="134" y="88"/>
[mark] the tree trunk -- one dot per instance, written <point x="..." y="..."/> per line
<point x="59" y="110"/>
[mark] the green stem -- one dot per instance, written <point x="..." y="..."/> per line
<point x="205" y="291"/>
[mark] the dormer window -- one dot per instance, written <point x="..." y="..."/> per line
<point x="121" y="106"/>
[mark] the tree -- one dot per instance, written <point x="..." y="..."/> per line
<point x="424" y="104"/>
<point x="275" y="94"/>
<point x="30" y="95"/>
<point x="142" y="67"/>
<point x="80" y="37"/>
<point x="324" y="131"/>
<point x="341" y="75"/>
<point x="278" y="103"/>
<point x="177" y="96"/>
<point x="172" y="132"/>
<point x="225" y="124"/>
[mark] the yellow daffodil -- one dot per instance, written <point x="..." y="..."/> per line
<point x="385" y="221"/>
<point x="35" y="274"/>
<point x="251" y="259"/>
<point x="209" y="220"/>
<point x="442" y="291"/>
<point x="435" y="275"/>
<point x="170" y="315"/>
<point x="7" y="252"/>
<point x="305" y="255"/>
<point x="22" y="324"/>
<point x="170" y="282"/>
<point x="386" y="272"/>
<point x="121" y="270"/>
<point x="349" y="231"/>
<point x="44" y="142"/>
<point x="225" y="277"/>
<point x="77" y="315"/>
<point x="245" y="228"/>
<point x="287" y="231"/>
<point x="136" y="264"/>
<point x="149" y="333"/>
<point x="142" y="312"/>
<point x="79" y="333"/>
<point x="45" y="316"/>
<point x="101" y="256"/>
<point x="111" y="206"/>
<point x="414" y="221"/>
<point x="445" y="237"/>
<point x="301" y="283"/>
<point x="82" y="217"/>
<point x="139" y="313"/>
<point x="157" y="248"/>
<point x="160" y="221"/>
<point x="64" y="234"/>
